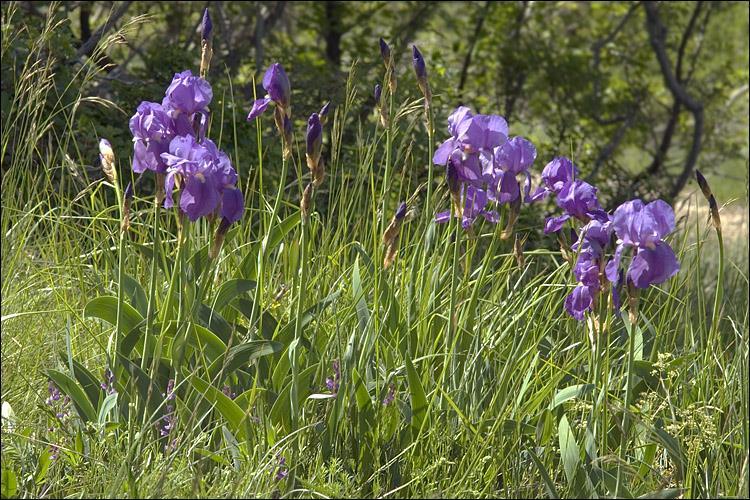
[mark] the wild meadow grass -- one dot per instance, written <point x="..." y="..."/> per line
<point x="454" y="372"/>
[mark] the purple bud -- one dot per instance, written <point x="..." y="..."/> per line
<point x="378" y="92"/>
<point x="314" y="136"/>
<point x="418" y="62"/>
<point x="401" y="211"/>
<point x="385" y="52"/>
<point x="206" y="25"/>
<point x="277" y="85"/>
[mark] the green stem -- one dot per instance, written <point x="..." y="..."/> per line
<point x="628" y="397"/>
<point x="719" y="295"/>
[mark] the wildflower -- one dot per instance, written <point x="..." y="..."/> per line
<point x="169" y="419"/>
<point x="314" y="142"/>
<point x="578" y="199"/>
<point x="281" y="469"/>
<point x="332" y="383"/>
<point x="421" y="71"/>
<point x="108" y="385"/>
<point x="390" y="395"/>
<point x="385" y="53"/>
<point x="206" y="42"/>
<point x="556" y="174"/>
<point x="107" y="157"/>
<point x="595" y="237"/>
<point x="276" y="84"/>
<point x="187" y="94"/>
<point x="62" y="408"/>
<point x="644" y="227"/>
<point x="152" y="130"/>
<point x="514" y="158"/>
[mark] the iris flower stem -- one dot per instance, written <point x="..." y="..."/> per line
<point x="719" y="295"/>
<point x="120" y="265"/>
<point x="294" y="391"/>
<point x="431" y="152"/>
<point x="452" y="314"/>
<point x="628" y="397"/>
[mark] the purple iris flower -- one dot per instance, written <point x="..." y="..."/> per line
<point x="278" y="90"/>
<point x="595" y="236"/>
<point x="578" y="199"/>
<point x="644" y="228"/>
<point x="152" y="130"/>
<point x="191" y="161"/>
<point x="513" y="158"/>
<point x="556" y="174"/>
<point x="188" y="94"/>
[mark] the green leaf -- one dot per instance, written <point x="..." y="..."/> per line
<point x="74" y="391"/>
<point x="229" y="291"/>
<point x="215" y="322"/>
<point x="42" y="466"/>
<point x="280" y="411"/>
<point x="574" y="391"/>
<point x="86" y="379"/>
<point x="228" y="409"/>
<point x="243" y="355"/>
<point x="9" y="484"/>
<point x="105" y="308"/>
<point x="135" y="292"/>
<point x="358" y="294"/>
<point x="418" y="399"/>
<point x="108" y="404"/>
<point x="364" y="404"/>
<point x="546" y="479"/>
<point x="569" y="452"/>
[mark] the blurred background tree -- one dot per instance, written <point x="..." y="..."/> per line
<point x="638" y="93"/>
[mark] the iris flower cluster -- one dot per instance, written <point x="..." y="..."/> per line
<point x="637" y="226"/>
<point x="170" y="140"/>
<point x="483" y="165"/>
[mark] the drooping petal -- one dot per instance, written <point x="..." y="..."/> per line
<point x="579" y="301"/>
<point x="652" y="266"/>
<point x="199" y="196"/>
<point x="508" y="189"/>
<point x="443" y="217"/>
<point x="259" y="106"/>
<point x="554" y="224"/>
<point x="232" y="204"/>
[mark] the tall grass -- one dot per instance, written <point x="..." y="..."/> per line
<point x="507" y="401"/>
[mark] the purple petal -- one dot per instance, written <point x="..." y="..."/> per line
<point x="579" y="301"/>
<point x="612" y="270"/>
<point x="259" y="106"/>
<point x="232" y="204"/>
<point x="444" y="151"/>
<point x="653" y="266"/>
<point x="443" y="217"/>
<point x="554" y="224"/>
